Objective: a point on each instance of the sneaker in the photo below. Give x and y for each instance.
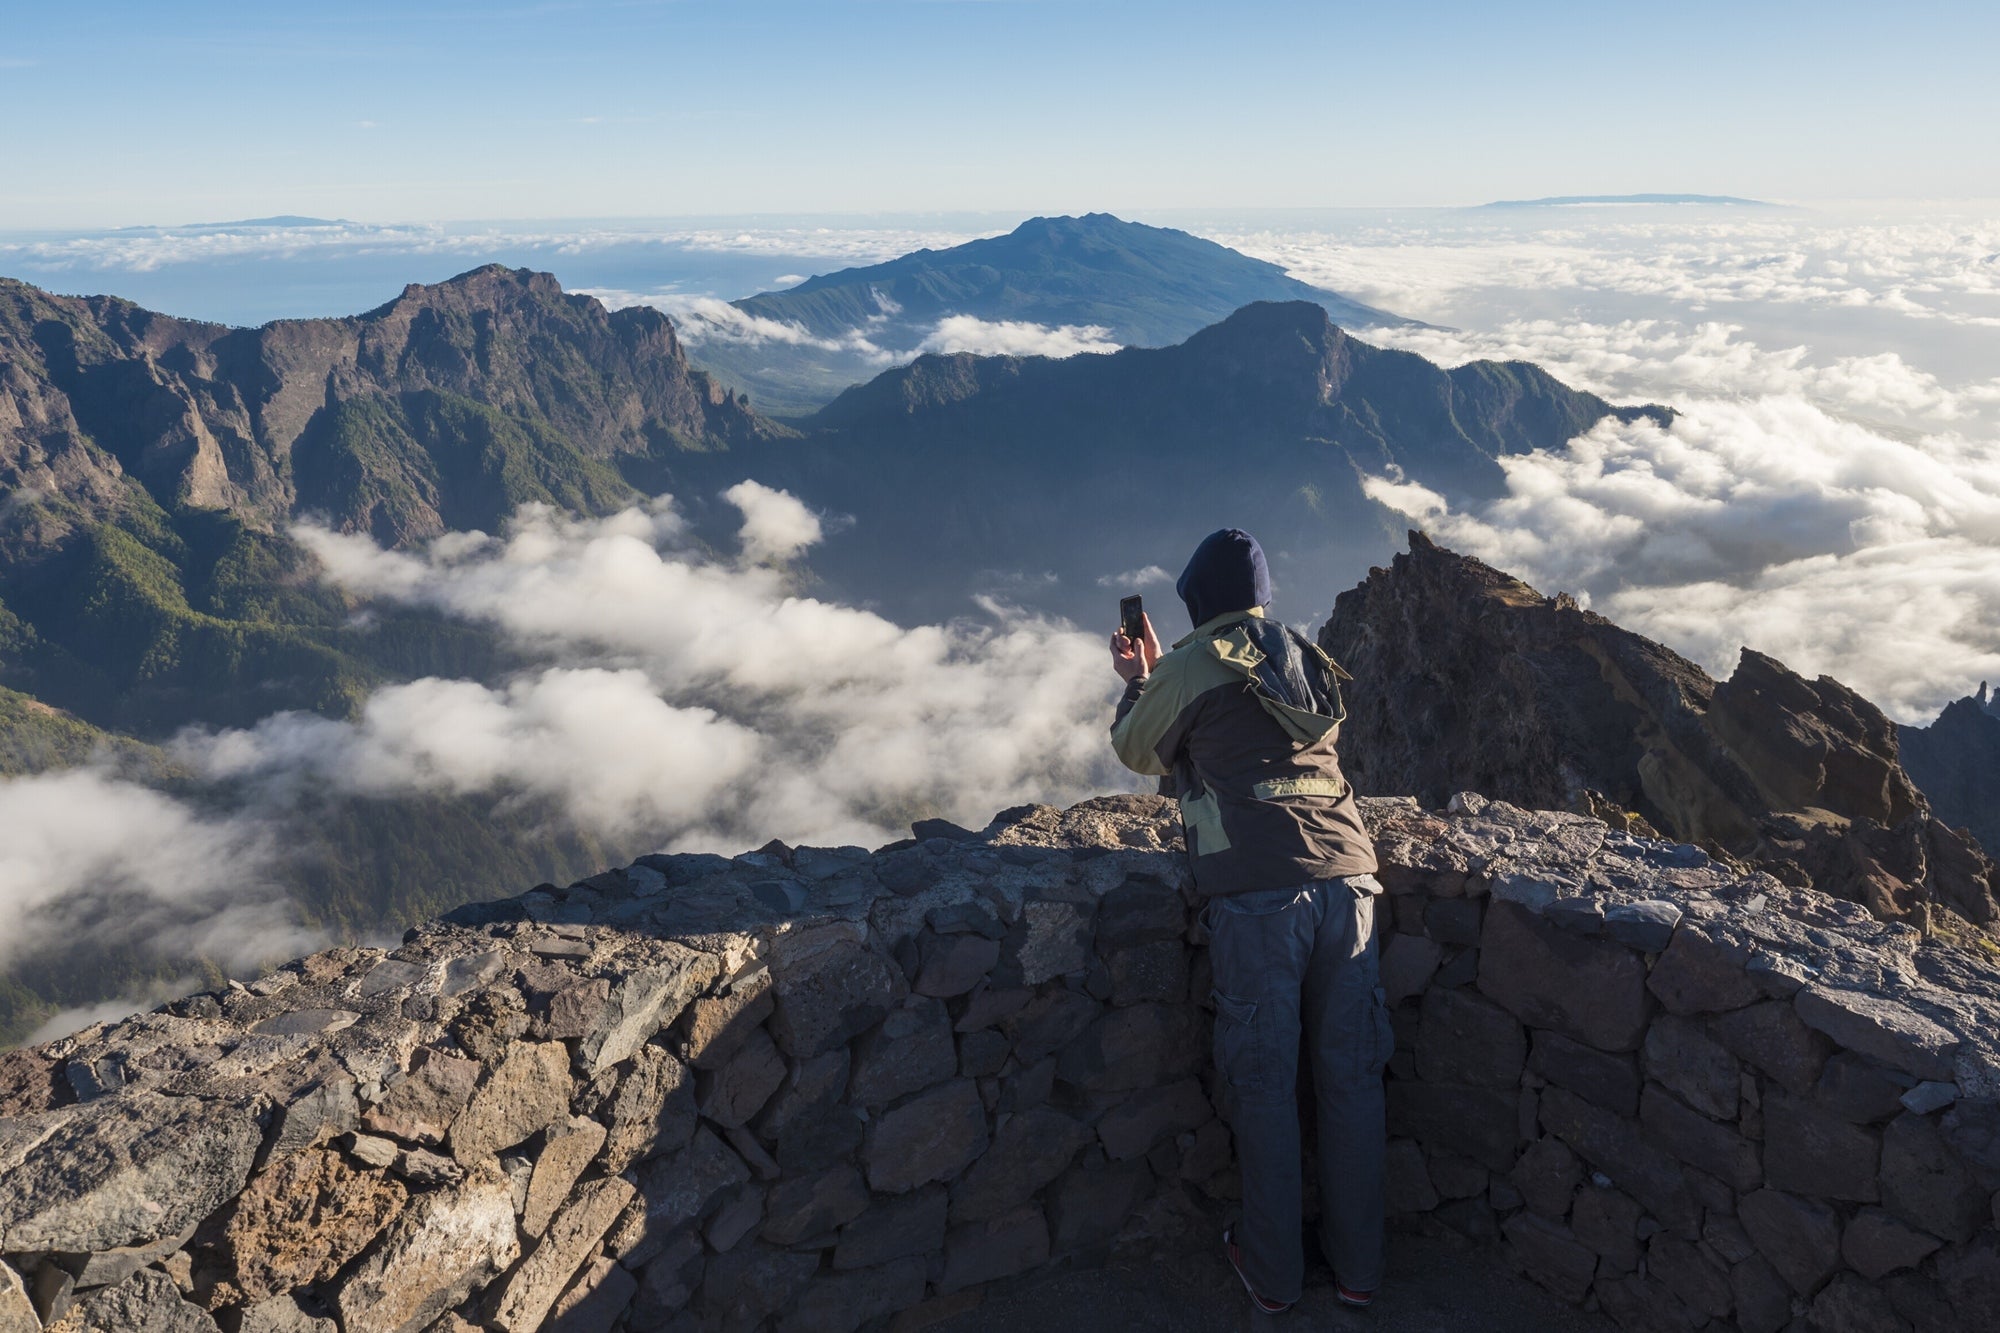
(1264, 1306)
(1360, 1300)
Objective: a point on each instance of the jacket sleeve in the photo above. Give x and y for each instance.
(1147, 720)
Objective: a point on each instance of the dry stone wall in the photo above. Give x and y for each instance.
(824, 1089)
(1682, 1094)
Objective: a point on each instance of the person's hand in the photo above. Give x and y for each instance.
(1136, 660)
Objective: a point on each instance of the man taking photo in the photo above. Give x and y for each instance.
(1244, 714)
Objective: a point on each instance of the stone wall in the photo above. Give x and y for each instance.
(1682, 1094)
(825, 1089)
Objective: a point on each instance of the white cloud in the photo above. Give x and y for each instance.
(86, 851)
(966, 333)
(776, 526)
(708, 319)
(1137, 578)
(599, 742)
(1930, 264)
(1666, 360)
(65, 1021)
(696, 700)
(1769, 523)
(701, 319)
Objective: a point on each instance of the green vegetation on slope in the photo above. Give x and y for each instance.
(403, 465)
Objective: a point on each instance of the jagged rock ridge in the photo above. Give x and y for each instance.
(443, 408)
(1467, 678)
(1956, 760)
(804, 1089)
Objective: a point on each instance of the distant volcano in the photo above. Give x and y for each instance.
(1124, 283)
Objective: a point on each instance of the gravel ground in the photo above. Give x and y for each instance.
(1433, 1287)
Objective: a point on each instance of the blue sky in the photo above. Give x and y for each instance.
(117, 114)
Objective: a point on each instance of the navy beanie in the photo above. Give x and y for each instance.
(1226, 573)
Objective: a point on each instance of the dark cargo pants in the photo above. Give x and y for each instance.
(1287, 959)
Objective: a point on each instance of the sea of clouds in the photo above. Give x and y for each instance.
(696, 699)
(1830, 490)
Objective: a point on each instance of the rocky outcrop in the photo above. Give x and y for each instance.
(1956, 760)
(1467, 678)
(810, 1088)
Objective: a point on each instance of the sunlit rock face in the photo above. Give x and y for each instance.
(806, 1088)
(1467, 678)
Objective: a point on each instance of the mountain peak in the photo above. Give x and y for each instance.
(1144, 286)
(487, 285)
(1279, 319)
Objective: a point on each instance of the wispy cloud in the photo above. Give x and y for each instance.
(709, 319)
(966, 333)
(1148, 577)
(87, 853)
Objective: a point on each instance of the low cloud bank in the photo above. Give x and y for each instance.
(91, 857)
(695, 700)
(1662, 358)
(965, 333)
(708, 319)
(1928, 265)
(1769, 523)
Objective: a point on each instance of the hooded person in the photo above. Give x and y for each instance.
(1243, 714)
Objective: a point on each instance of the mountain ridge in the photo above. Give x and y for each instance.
(925, 282)
(338, 415)
(1275, 408)
(1137, 284)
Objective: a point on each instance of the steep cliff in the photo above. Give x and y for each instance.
(1467, 678)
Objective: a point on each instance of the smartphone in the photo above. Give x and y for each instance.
(1132, 617)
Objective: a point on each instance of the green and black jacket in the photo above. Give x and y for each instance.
(1244, 714)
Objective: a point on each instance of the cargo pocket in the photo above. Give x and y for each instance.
(1202, 817)
(1237, 1052)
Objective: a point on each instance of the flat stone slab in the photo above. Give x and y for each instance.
(126, 1171)
(1889, 1031)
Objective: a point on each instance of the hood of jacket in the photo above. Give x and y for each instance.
(1226, 573)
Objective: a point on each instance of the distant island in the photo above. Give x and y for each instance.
(1563, 200)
